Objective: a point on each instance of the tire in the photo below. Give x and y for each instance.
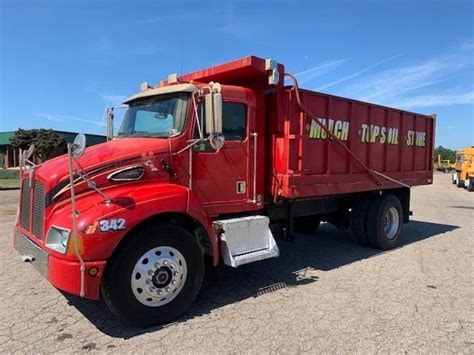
(154, 277)
(384, 222)
(470, 184)
(359, 219)
(306, 224)
(459, 183)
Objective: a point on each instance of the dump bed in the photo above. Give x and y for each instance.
(305, 162)
(301, 160)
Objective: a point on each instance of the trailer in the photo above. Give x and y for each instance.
(214, 167)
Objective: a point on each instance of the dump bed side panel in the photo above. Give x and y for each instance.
(306, 162)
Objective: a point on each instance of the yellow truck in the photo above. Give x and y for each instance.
(463, 175)
(444, 165)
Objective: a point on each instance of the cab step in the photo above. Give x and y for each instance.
(245, 240)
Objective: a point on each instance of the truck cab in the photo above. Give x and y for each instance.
(185, 154)
(464, 169)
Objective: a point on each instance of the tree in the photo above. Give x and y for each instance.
(445, 153)
(48, 143)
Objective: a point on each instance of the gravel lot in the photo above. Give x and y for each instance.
(324, 294)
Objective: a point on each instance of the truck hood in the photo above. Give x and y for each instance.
(113, 154)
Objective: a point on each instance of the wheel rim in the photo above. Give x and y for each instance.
(392, 220)
(158, 276)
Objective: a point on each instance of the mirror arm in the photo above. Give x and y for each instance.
(201, 135)
(193, 143)
(90, 183)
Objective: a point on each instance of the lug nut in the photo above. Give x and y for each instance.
(171, 266)
(157, 265)
(152, 289)
(148, 282)
(160, 292)
(165, 262)
(173, 282)
(175, 273)
(150, 272)
(168, 289)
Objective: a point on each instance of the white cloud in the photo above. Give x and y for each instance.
(436, 100)
(66, 118)
(356, 74)
(113, 99)
(417, 84)
(50, 117)
(322, 68)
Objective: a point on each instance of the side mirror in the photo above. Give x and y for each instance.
(110, 124)
(79, 145)
(217, 104)
(213, 113)
(209, 113)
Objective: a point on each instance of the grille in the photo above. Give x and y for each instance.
(25, 205)
(38, 209)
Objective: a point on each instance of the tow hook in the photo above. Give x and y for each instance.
(27, 258)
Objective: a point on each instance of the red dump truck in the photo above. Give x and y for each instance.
(212, 167)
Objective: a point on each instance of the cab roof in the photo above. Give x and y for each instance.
(169, 89)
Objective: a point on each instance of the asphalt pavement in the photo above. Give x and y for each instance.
(325, 294)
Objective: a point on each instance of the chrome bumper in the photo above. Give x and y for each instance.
(32, 253)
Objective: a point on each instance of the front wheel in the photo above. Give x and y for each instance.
(154, 277)
(384, 222)
(459, 182)
(470, 183)
(453, 178)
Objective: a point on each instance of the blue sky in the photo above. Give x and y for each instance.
(63, 62)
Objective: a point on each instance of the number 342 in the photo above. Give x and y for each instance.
(112, 224)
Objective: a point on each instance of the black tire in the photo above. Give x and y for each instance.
(379, 209)
(358, 221)
(470, 183)
(116, 285)
(306, 224)
(458, 182)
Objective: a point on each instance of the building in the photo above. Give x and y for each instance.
(9, 155)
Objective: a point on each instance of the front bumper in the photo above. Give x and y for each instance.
(62, 274)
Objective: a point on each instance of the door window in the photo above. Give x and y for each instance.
(234, 122)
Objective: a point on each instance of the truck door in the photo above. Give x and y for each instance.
(221, 178)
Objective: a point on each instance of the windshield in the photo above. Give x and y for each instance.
(158, 116)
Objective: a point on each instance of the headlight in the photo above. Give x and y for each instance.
(128, 174)
(58, 239)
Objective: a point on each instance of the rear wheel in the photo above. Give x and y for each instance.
(358, 219)
(384, 222)
(155, 277)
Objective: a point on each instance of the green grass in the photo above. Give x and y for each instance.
(9, 183)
